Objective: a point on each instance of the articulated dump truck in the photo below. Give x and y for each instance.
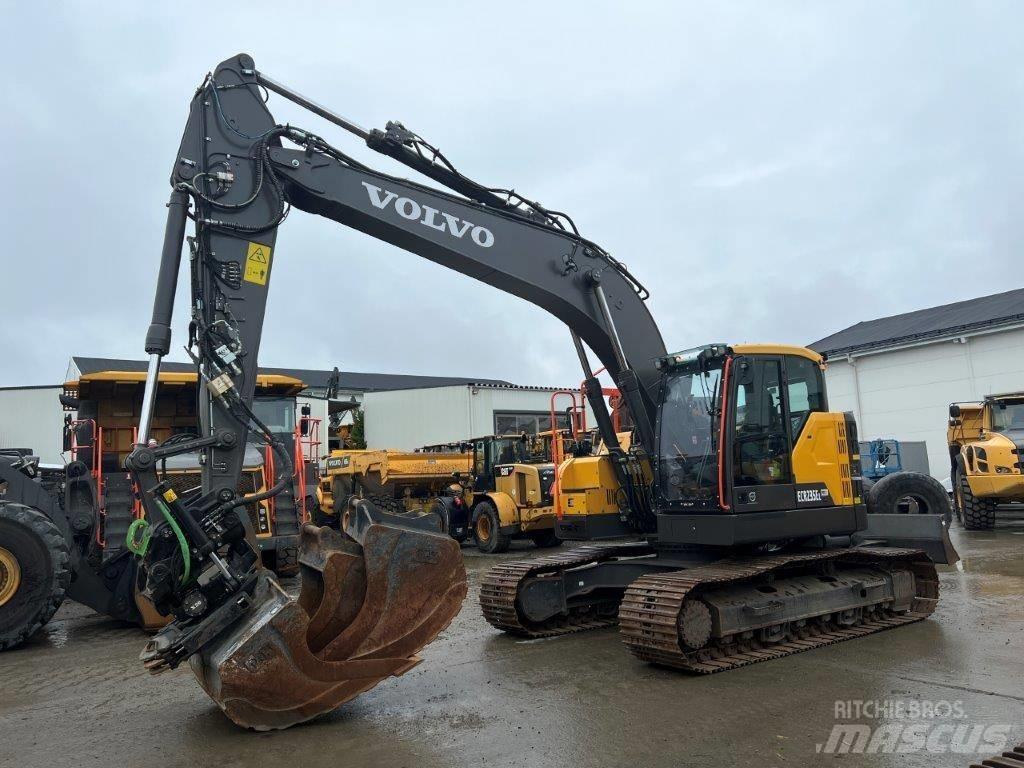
(986, 452)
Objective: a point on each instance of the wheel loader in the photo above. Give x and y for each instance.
(741, 488)
(986, 440)
(63, 533)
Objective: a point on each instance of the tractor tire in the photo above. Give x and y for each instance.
(545, 539)
(487, 530)
(973, 513)
(891, 495)
(35, 571)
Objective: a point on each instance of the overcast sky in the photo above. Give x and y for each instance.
(772, 171)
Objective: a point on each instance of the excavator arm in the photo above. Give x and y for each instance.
(377, 592)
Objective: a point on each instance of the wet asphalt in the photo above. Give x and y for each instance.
(77, 695)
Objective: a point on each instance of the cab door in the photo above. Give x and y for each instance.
(762, 471)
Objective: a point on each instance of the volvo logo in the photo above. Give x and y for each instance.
(409, 209)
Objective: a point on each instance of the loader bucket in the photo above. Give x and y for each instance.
(370, 599)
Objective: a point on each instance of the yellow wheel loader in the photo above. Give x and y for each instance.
(509, 493)
(986, 443)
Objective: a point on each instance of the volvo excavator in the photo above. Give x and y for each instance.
(722, 552)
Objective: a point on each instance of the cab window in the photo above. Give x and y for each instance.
(806, 390)
(761, 447)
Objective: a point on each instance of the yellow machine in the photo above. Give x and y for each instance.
(510, 495)
(784, 453)
(103, 433)
(986, 441)
(67, 534)
(497, 487)
(401, 481)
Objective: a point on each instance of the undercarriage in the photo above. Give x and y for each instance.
(705, 611)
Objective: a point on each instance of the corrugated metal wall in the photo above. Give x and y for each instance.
(409, 418)
(905, 394)
(32, 417)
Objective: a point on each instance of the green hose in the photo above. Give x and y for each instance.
(185, 554)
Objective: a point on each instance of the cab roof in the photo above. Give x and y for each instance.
(1005, 396)
(777, 349)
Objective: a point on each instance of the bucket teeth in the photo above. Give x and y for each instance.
(364, 611)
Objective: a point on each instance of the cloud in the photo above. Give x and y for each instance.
(741, 176)
(771, 171)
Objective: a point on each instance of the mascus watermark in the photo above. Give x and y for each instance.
(910, 725)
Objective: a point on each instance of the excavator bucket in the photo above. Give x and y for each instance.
(370, 599)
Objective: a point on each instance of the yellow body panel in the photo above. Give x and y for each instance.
(968, 427)
(587, 486)
(1008, 487)
(519, 499)
(993, 474)
(398, 466)
(820, 455)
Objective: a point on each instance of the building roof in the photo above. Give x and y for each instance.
(349, 381)
(1000, 309)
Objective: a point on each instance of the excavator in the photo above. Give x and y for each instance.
(773, 554)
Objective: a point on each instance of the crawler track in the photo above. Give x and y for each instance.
(500, 587)
(649, 615)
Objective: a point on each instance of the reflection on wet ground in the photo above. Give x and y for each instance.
(77, 695)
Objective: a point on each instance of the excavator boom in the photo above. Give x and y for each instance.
(378, 591)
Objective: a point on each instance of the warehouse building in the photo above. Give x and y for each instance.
(410, 418)
(401, 411)
(899, 374)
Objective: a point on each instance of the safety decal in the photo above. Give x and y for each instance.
(257, 263)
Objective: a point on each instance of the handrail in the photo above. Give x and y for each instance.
(557, 447)
(95, 471)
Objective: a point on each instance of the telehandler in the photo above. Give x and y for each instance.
(738, 518)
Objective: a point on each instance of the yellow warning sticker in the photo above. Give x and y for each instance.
(170, 495)
(257, 263)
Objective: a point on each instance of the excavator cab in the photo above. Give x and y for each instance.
(745, 430)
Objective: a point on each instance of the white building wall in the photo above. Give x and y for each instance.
(409, 418)
(905, 393)
(32, 417)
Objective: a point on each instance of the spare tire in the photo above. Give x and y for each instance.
(910, 492)
(35, 571)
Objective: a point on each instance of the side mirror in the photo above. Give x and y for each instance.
(954, 411)
(304, 427)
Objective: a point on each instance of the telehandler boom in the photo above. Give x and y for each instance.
(374, 594)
